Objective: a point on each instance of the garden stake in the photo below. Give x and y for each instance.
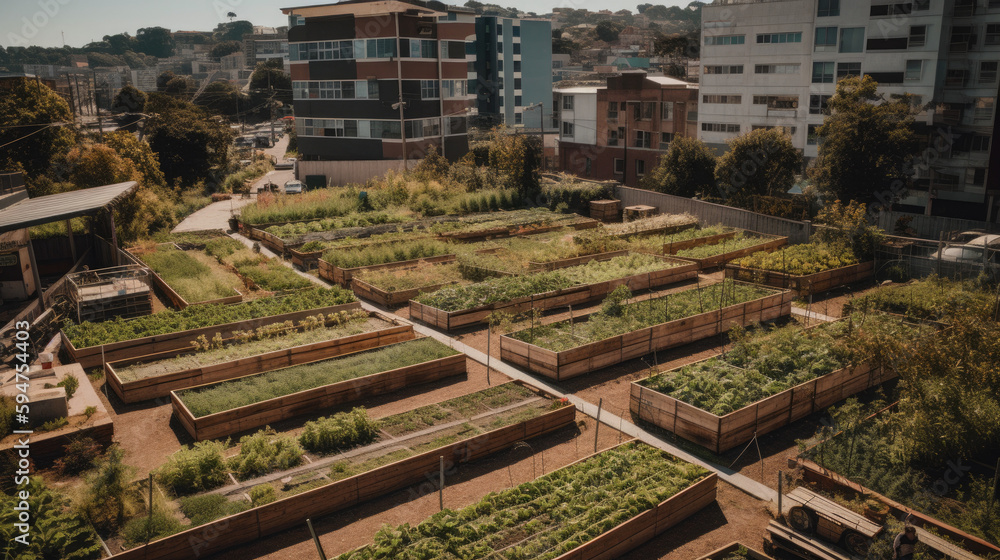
(489, 329)
(779, 493)
(149, 520)
(441, 484)
(597, 425)
(319, 547)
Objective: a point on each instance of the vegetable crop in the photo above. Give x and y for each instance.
(805, 258)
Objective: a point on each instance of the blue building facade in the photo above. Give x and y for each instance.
(513, 70)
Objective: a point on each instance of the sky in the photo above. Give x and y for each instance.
(43, 22)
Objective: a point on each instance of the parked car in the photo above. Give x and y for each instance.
(966, 236)
(293, 187)
(991, 241)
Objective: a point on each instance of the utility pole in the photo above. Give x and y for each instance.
(399, 84)
(97, 106)
(72, 103)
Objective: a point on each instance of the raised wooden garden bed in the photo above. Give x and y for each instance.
(162, 385)
(807, 284)
(343, 276)
(605, 210)
(638, 212)
(574, 261)
(305, 259)
(94, 356)
(386, 298)
(284, 514)
(722, 433)
(722, 258)
(451, 320)
(175, 298)
(672, 247)
(235, 420)
(603, 353)
(726, 551)
(513, 230)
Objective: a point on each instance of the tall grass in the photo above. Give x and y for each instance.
(227, 395)
(193, 280)
(386, 253)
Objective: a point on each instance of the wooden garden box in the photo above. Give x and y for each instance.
(243, 418)
(290, 512)
(162, 385)
(575, 295)
(807, 284)
(638, 212)
(93, 356)
(724, 552)
(722, 433)
(604, 210)
(175, 298)
(343, 276)
(723, 258)
(610, 351)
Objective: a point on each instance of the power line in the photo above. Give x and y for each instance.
(27, 135)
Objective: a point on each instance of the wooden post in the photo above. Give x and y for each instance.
(996, 480)
(149, 519)
(319, 547)
(34, 273)
(489, 330)
(597, 426)
(72, 242)
(780, 490)
(441, 485)
(114, 239)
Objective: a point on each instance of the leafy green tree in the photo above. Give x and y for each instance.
(762, 162)
(866, 143)
(189, 142)
(141, 156)
(155, 41)
(608, 31)
(687, 169)
(269, 78)
(514, 158)
(24, 104)
(121, 43)
(108, 497)
(233, 30)
(223, 98)
(127, 105)
(225, 48)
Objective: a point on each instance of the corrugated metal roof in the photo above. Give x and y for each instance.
(62, 206)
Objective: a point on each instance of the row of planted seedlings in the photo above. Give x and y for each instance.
(334, 462)
(601, 506)
(222, 270)
(930, 450)
(622, 329)
(94, 344)
(451, 308)
(709, 246)
(771, 377)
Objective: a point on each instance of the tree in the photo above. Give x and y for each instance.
(225, 48)
(155, 41)
(866, 144)
(687, 169)
(96, 165)
(222, 98)
(127, 106)
(233, 30)
(762, 162)
(138, 152)
(189, 142)
(121, 43)
(25, 103)
(108, 495)
(608, 31)
(514, 158)
(641, 8)
(269, 78)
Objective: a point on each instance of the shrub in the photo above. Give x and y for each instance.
(264, 452)
(78, 456)
(144, 529)
(207, 508)
(7, 412)
(194, 469)
(54, 424)
(262, 494)
(71, 384)
(108, 496)
(342, 430)
(56, 531)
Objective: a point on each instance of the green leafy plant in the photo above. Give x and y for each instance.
(56, 531)
(143, 529)
(195, 468)
(340, 431)
(262, 494)
(805, 258)
(78, 455)
(263, 452)
(193, 279)
(207, 508)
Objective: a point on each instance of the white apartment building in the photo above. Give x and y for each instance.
(576, 113)
(775, 63)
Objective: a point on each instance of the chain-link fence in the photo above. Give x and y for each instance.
(904, 258)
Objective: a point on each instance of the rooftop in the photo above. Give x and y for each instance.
(359, 8)
(62, 206)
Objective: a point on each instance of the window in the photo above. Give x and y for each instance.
(516, 30)
(818, 104)
(722, 99)
(992, 34)
(852, 40)
(766, 38)
(720, 127)
(517, 84)
(567, 129)
(567, 102)
(975, 176)
(955, 77)
(640, 168)
(429, 89)
(890, 9)
(822, 73)
(643, 139)
(988, 72)
(619, 166)
(500, 47)
(983, 108)
(614, 135)
(724, 69)
(454, 88)
(777, 101)
(385, 129)
(725, 39)
(500, 65)
(517, 100)
(918, 35)
(517, 118)
(826, 38)
(647, 110)
(381, 48)
(665, 139)
(848, 69)
(914, 70)
(419, 48)
(961, 37)
(517, 48)
(361, 89)
(980, 143)
(828, 8)
(517, 65)
(612, 110)
(667, 111)
(776, 68)
(812, 137)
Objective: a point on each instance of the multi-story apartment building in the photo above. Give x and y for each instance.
(619, 131)
(265, 43)
(379, 80)
(775, 63)
(513, 70)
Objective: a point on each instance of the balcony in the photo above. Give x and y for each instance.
(964, 8)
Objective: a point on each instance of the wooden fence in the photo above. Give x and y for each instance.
(722, 433)
(290, 512)
(709, 213)
(807, 284)
(93, 356)
(575, 295)
(243, 418)
(610, 351)
(162, 385)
